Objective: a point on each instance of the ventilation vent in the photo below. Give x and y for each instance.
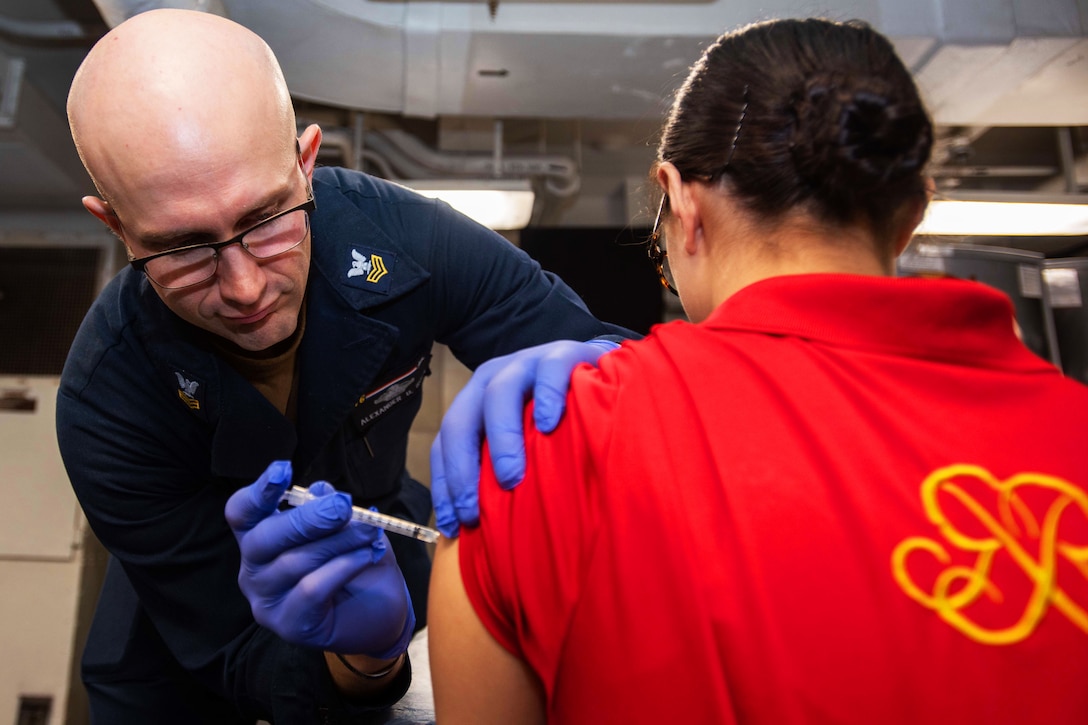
(44, 294)
(34, 710)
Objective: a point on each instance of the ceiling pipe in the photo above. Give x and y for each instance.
(400, 156)
(993, 172)
(115, 12)
(404, 166)
(352, 154)
(559, 172)
(358, 139)
(1068, 159)
(38, 30)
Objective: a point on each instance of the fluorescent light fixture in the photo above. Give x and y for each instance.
(1007, 215)
(496, 203)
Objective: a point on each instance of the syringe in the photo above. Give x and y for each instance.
(297, 495)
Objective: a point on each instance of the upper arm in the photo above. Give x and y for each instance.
(475, 679)
(503, 594)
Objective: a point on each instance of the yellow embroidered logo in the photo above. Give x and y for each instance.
(999, 539)
(377, 269)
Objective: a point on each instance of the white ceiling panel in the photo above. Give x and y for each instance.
(962, 83)
(1054, 96)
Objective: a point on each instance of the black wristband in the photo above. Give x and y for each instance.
(370, 675)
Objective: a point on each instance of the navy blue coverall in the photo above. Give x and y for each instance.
(157, 431)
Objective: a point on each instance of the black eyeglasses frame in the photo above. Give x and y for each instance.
(308, 206)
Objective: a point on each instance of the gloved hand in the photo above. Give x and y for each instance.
(315, 577)
(493, 402)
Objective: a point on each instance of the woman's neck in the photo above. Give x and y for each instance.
(796, 246)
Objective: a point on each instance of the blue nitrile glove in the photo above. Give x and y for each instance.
(493, 402)
(315, 577)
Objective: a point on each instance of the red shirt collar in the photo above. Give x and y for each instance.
(938, 319)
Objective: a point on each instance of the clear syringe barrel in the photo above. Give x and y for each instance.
(297, 495)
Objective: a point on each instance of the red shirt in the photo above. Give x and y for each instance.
(838, 499)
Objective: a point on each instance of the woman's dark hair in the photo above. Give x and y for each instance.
(810, 113)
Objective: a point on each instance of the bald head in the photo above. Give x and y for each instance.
(168, 92)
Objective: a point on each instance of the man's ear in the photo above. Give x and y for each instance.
(101, 210)
(308, 143)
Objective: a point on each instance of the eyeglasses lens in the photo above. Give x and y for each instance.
(277, 235)
(187, 267)
(665, 270)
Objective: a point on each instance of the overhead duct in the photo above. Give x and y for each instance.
(43, 171)
(985, 62)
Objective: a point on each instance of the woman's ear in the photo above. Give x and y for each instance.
(687, 206)
(668, 178)
(913, 217)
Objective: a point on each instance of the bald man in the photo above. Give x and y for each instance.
(272, 311)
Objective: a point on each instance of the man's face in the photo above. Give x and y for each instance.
(253, 303)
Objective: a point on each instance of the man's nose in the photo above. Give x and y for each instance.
(241, 278)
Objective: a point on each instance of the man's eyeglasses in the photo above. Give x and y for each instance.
(196, 263)
(657, 252)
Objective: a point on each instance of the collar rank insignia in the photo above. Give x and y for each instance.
(372, 267)
(187, 391)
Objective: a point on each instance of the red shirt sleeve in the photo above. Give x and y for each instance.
(523, 566)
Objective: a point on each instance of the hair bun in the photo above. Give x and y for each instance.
(852, 131)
